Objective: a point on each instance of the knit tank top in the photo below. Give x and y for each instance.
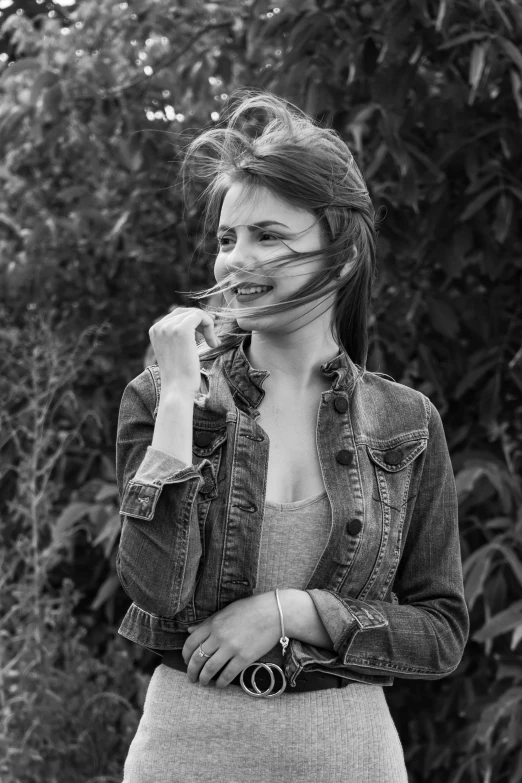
(293, 539)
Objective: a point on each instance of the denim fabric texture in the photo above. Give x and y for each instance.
(388, 586)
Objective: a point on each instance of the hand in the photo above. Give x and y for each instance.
(173, 340)
(238, 635)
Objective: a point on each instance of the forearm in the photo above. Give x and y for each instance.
(173, 426)
(302, 620)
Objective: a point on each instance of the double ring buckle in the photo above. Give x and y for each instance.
(268, 694)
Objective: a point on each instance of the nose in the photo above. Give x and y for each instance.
(242, 256)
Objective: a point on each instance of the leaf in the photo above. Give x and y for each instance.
(27, 64)
(515, 191)
(516, 89)
(512, 559)
(494, 712)
(470, 561)
(476, 65)
(511, 50)
(107, 491)
(120, 223)
(466, 479)
(41, 83)
(497, 475)
(107, 590)
(479, 202)
(130, 155)
(509, 669)
(500, 623)
(440, 15)
(471, 378)
(466, 38)
(108, 534)
(66, 523)
(503, 218)
(475, 581)
(516, 637)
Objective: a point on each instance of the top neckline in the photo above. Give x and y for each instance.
(296, 504)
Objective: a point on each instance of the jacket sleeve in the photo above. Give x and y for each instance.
(160, 546)
(422, 635)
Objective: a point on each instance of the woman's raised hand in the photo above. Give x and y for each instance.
(173, 340)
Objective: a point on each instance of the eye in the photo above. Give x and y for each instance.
(225, 240)
(266, 236)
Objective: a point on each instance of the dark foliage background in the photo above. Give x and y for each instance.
(97, 101)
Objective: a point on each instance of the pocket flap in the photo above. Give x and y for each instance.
(139, 500)
(397, 458)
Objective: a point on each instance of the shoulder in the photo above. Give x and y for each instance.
(386, 407)
(385, 389)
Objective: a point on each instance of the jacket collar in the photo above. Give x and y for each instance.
(246, 383)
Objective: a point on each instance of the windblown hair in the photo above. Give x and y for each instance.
(267, 142)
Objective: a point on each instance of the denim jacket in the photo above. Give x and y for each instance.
(388, 586)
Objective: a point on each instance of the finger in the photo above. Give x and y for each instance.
(197, 662)
(201, 322)
(228, 674)
(196, 638)
(212, 667)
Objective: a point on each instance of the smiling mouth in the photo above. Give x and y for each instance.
(253, 289)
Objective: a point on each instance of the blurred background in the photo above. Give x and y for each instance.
(97, 101)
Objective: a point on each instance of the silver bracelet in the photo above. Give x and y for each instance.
(284, 640)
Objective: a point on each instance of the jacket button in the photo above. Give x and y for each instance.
(203, 439)
(341, 404)
(344, 457)
(354, 527)
(393, 457)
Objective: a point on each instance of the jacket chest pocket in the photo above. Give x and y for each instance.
(207, 445)
(389, 482)
(393, 471)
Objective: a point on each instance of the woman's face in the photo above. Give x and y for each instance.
(254, 231)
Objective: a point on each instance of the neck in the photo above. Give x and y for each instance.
(293, 359)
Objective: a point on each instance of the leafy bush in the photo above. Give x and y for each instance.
(64, 714)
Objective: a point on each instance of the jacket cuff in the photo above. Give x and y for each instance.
(345, 618)
(158, 467)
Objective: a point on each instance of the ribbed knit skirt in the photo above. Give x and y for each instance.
(190, 733)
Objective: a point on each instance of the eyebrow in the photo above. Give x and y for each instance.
(261, 224)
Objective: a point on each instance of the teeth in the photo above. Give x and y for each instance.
(253, 290)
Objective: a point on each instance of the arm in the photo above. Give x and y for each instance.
(423, 636)
(157, 560)
(302, 620)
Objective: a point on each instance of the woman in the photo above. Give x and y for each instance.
(281, 504)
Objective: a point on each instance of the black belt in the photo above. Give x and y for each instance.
(268, 683)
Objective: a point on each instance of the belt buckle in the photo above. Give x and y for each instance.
(270, 668)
